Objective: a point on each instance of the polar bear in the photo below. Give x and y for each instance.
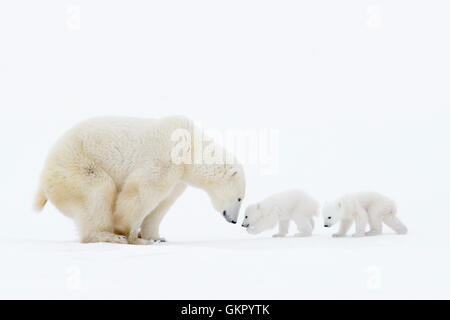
(363, 208)
(117, 177)
(280, 208)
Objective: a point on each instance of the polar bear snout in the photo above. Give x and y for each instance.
(245, 223)
(232, 213)
(249, 211)
(228, 218)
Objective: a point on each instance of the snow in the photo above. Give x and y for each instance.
(319, 267)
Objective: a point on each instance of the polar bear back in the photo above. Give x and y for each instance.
(119, 144)
(291, 201)
(370, 201)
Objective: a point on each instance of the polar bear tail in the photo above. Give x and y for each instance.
(39, 200)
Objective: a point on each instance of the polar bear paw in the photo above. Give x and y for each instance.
(302, 235)
(338, 235)
(155, 239)
(279, 235)
(372, 233)
(121, 240)
(158, 239)
(104, 237)
(141, 242)
(358, 235)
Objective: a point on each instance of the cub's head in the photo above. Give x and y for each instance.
(256, 221)
(331, 213)
(228, 192)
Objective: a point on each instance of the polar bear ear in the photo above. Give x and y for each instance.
(340, 205)
(258, 207)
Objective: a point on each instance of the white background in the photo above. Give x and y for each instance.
(358, 91)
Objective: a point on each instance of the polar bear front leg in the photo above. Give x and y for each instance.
(304, 226)
(343, 228)
(151, 223)
(133, 204)
(375, 223)
(283, 228)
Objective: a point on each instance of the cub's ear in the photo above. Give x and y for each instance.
(340, 205)
(258, 207)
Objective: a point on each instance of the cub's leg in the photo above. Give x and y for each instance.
(283, 228)
(394, 223)
(344, 226)
(304, 226)
(375, 223)
(138, 197)
(361, 221)
(150, 225)
(85, 193)
(311, 221)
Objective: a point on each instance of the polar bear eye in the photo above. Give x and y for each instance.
(329, 218)
(239, 199)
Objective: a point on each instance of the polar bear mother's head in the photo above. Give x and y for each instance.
(227, 191)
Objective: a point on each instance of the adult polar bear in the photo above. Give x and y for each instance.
(117, 178)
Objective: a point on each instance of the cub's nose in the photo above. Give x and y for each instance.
(233, 222)
(326, 226)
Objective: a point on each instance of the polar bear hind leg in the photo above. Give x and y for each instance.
(304, 226)
(375, 223)
(87, 194)
(150, 225)
(395, 224)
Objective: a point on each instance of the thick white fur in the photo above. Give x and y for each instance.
(281, 208)
(364, 208)
(115, 177)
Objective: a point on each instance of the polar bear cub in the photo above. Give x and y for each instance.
(364, 208)
(280, 208)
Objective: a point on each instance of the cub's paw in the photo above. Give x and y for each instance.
(338, 235)
(278, 235)
(372, 233)
(302, 235)
(358, 235)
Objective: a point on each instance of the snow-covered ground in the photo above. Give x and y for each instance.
(236, 268)
(214, 265)
(356, 91)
